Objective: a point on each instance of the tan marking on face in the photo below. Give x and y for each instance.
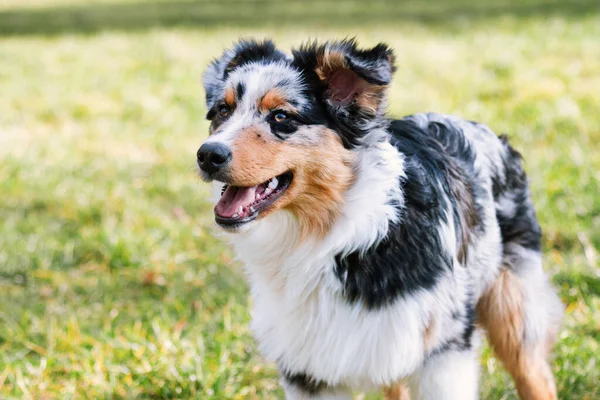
(320, 184)
(256, 158)
(322, 174)
(230, 97)
(274, 99)
(500, 311)
(397, 391)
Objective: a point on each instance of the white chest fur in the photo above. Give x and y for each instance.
(300, 318)
(326, 337)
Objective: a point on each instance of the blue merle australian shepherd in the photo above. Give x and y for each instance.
(377, 249)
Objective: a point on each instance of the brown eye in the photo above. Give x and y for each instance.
(280, 117)
(224, 111)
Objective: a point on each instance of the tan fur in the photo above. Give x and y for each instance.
(322, 173)
(320, 183)
(369, 96)
(396, 392)
(272, 100)
(230, 97)
(256, 158)
(500, 311)
(329, 62)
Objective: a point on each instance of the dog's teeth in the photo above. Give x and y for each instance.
(240, 210)
(268, 191)
(252, 209)
(235, 215)
(257, 196)
(273, 184)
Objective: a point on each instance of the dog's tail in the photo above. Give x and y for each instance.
(521, 311)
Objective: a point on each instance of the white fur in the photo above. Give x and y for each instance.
(303, 322)
(449, 376)
(301, 319)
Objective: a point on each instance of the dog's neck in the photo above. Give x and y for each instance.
(273, 249)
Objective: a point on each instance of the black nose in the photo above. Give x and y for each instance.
(212, 157)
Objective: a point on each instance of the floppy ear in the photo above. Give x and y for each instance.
(353, 80)
(243, 52)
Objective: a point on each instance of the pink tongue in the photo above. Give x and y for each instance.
(233, 199)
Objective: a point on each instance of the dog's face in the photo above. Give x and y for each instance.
(283, 130)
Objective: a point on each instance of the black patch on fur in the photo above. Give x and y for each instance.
(374, 66)
(467, 316)
(282, 129)
(304, 382)
(518, 225)
(464, 183)
(211, 114)
(247, 51)
(457, 344)
(470, 317)
(408, 259)
(412, 256)
(311, 114)
(350, 128)
(240, 90)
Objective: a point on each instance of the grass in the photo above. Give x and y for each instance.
(111, 284)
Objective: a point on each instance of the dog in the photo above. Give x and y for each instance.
(377, 250)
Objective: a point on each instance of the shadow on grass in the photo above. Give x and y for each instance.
(259, 13)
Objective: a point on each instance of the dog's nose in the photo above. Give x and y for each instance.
(212, 157)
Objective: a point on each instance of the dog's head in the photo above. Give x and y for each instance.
(284, 130)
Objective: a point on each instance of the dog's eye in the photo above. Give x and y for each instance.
(280, 116)
(224, 111)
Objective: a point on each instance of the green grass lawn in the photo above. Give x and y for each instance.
(111, 284)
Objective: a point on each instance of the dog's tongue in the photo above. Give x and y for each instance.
(233, 198)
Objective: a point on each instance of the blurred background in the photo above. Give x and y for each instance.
(111, 284)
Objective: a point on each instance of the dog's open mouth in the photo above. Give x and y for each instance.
(239, 205)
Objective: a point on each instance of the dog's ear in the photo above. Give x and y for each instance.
(243, 52)
(352, 82)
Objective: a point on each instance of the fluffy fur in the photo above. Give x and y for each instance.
(396, 242)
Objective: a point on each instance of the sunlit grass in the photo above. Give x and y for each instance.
(111, 284)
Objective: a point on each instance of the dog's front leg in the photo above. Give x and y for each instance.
(452, 375)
